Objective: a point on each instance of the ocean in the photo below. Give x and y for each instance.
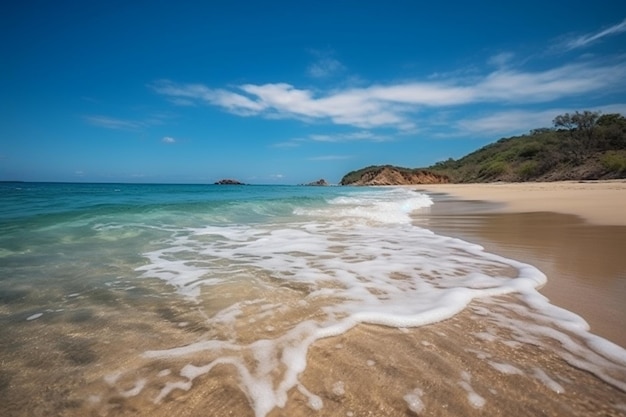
(146, 299)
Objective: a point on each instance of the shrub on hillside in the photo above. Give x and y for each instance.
(614, 161)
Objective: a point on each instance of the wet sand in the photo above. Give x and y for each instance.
(575, 232)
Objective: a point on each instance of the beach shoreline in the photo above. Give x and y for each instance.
(359, 304)
(572, 231)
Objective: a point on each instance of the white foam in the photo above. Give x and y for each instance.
(112, 378)
(505, 368)
(414, 400)
(473, 398)
(364, 262)
(389, 206)
(314, 401)
(547, 381)
(34, 316)
(135, 390)
(339, 388)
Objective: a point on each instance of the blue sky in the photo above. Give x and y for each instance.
(289, 92)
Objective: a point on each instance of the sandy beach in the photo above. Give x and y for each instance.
(598, 202)
(575, 232)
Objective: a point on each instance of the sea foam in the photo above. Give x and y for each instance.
(358, 259)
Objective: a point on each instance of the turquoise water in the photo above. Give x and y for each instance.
(57, 238)
(121, 298)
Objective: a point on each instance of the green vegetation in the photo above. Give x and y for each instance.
(614, 161)
(581, 146)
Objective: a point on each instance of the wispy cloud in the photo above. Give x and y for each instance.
(502, 59)
(362, 135)
(325, 65)
(512, 122)
(329, 157)
(396, 105)
(189, 94)
(508, 122)
(168, 140)
(586, 39)
(113, 123)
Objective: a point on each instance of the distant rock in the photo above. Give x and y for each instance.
(390, 175)
(321, 182)
(229, 182)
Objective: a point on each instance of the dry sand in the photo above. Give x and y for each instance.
(598, 202)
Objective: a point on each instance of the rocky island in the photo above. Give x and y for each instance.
(319, 183)
(228, 182)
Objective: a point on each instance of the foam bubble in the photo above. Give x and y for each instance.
(547, 381)
(34, 316)
(505, 368)
(339, 388)
(474, 399)
(414, 400)
(314, 401)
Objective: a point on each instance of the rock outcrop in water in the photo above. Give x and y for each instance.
(319, 183)
(390, 175)
(229, 182)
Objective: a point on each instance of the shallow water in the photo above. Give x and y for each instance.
(160, 300)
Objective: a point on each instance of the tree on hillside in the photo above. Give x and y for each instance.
(582, 122)
(612, 130)
(581, 128)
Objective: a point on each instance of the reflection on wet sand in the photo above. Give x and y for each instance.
(585, 263)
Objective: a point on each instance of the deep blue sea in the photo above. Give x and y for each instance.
(134, 299)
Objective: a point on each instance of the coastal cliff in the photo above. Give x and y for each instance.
(390, 175)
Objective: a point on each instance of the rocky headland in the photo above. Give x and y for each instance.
(390, 175)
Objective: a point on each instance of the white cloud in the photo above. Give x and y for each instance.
(501, 59)
(584, 40)
(168, 139)
(363, 135)
(325, 67)
(188, 94)
(127, 124)
(113, 123)
(396, 105)
(508, 122)
(522, 121)
(329, 157)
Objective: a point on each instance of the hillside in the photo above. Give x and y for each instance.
(580, 146)
(390, 175)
